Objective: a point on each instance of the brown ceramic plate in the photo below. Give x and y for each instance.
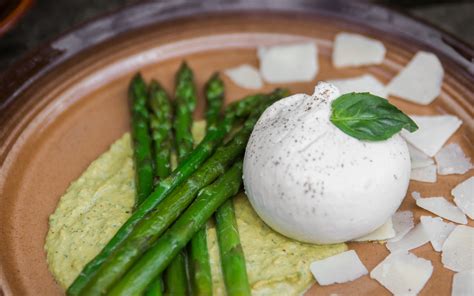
(63, 105)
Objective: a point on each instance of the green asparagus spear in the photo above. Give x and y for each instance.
(233, 112)
(155, 288)
(175, 276)
(159, 255)
(141, 138)
(199, 264)
(160, 125)
(176, 281)
(198, 255)
(232, 256)
(214, 92)
(185, 105)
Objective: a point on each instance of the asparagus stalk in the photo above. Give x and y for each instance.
(235, 111)
(214, 93)
(160, 126)
(185, 105)
(232, 256)
(176, 281)
(198, 255)
(199, 264)
(175, 276)
(159, 255)
(141, 138)
(155, 288)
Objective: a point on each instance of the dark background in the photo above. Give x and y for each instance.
(48, 18)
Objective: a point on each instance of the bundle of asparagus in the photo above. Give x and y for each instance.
(174, 211)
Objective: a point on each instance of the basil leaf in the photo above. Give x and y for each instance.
(368, 117)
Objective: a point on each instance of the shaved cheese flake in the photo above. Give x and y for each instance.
(426, 174)
(458, 249)
(437, 230)
(432, 133)
(464, 196)
(352, 50)
(245, 76)
(418, 158)
(413, 239)
(341, 268)
(363, 83)
(415, 195)
(384, 232)
(420, 81)
(443, 208)
(402, 223)
(463, 283)
(452, 160)
(403, 273)
(288, 63)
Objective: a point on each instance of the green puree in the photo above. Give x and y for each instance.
(95, 205)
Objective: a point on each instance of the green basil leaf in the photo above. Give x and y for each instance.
(368, 117)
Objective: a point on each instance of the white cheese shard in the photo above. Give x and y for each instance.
(418, 158)
(452, 160)
(437, 230)
(413, 239)
(420, 81)
(403, 273)
(245, 76)
(353, 50)
(341, 268)
(463, 283)
(433, 132)
(441, 207)
(402, 223)
(458, 249)
(425, 174)
(384, 232)
(363, 83)
(464, 196)
(289, 63)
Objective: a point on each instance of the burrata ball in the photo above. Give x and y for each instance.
(310, 181)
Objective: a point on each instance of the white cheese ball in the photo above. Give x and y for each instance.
(312, 182)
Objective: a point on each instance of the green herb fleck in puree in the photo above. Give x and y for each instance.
(95, 205)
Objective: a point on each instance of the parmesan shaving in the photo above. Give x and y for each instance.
(464, 196)
(420, 81)
(353, 50)
(288, 63)
(403, 273)
(443, 208)
(452, 160)
(363, 83)
(402, 223)
(463, 283)
(432, 133)
(458, 249)
(341, 268)
(413, 239)
(245, 76)
(384, 232)
(418, 158)
(425, 174)
(437, 230)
